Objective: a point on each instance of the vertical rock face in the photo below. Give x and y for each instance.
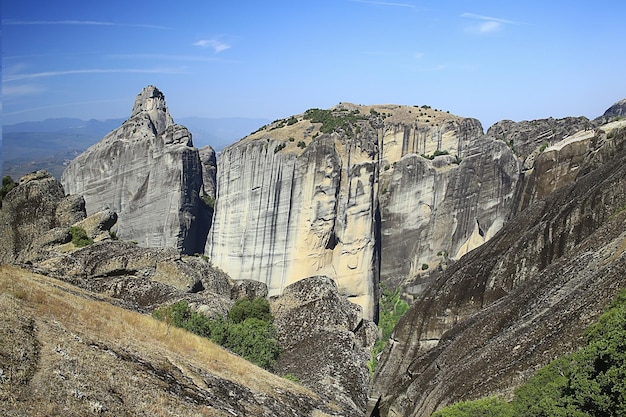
(147, 171)
(281, 217)
(483, 325)
(332, 192)
(435, 208)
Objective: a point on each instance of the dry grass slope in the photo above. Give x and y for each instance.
(65, 351)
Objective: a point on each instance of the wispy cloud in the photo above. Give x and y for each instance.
(383, 3)
(488, 24)
(19, 77)
(217, 45)
(21, 90)
(166, 57)
(57, 105)
(9, 22)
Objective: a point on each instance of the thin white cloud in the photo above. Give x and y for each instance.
(492, 19)
(218, 46)
(10, 22)
(57, 105)
(384, 3)
(165, 57)
(489, 24)
(19, 77)
(21, 90)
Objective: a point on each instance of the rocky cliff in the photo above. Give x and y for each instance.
(148, 172)
(355, 192)
(483, 325)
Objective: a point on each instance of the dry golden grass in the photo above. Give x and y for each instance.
(78, 311)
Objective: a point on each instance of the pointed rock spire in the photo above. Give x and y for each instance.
(152, 101)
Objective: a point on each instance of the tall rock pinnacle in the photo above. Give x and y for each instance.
(148, 171)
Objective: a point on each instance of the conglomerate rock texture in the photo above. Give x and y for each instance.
(149, 173)
(488, 321)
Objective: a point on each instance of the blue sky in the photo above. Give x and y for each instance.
(491, 60)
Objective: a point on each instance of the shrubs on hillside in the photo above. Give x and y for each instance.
(248, 331)
(79, 237)
(586, 383)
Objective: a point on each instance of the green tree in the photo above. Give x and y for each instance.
(249, 331)
(391, 309)
(245, 308)
(79, 237)
(484, 407)
(254, 340)
(7, 185)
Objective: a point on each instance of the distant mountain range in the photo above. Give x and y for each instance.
(50, 144)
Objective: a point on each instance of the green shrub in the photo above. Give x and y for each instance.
(280, 147)
(244, 308)
(301, 144)
(587, 383)
(208, 200)
(7, 185)
(79, 237)
(424, 267)
(333, 121)
(248, 332)
(254, 340)
(391, 308)
(484, 407)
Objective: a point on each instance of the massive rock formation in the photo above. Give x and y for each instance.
(336, 192)
(325, 339)
(148, 172)
(482, 326)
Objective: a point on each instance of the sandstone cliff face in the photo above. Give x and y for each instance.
(148, 172)
(482, 326)
(333, 192)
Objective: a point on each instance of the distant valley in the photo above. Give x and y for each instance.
(52, 143)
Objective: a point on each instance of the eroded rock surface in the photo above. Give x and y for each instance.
(325, 339)
(339, 191)
(483, 325)
(149, 173)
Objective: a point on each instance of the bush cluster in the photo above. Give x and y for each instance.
(248, 331)
(435, 154)
(79, 237)
(589, 382)
(7, 185)
(331, 121)
(391, 308)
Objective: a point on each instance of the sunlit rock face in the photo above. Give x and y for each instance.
(382, 192)
(147, 171)
(485, 324)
